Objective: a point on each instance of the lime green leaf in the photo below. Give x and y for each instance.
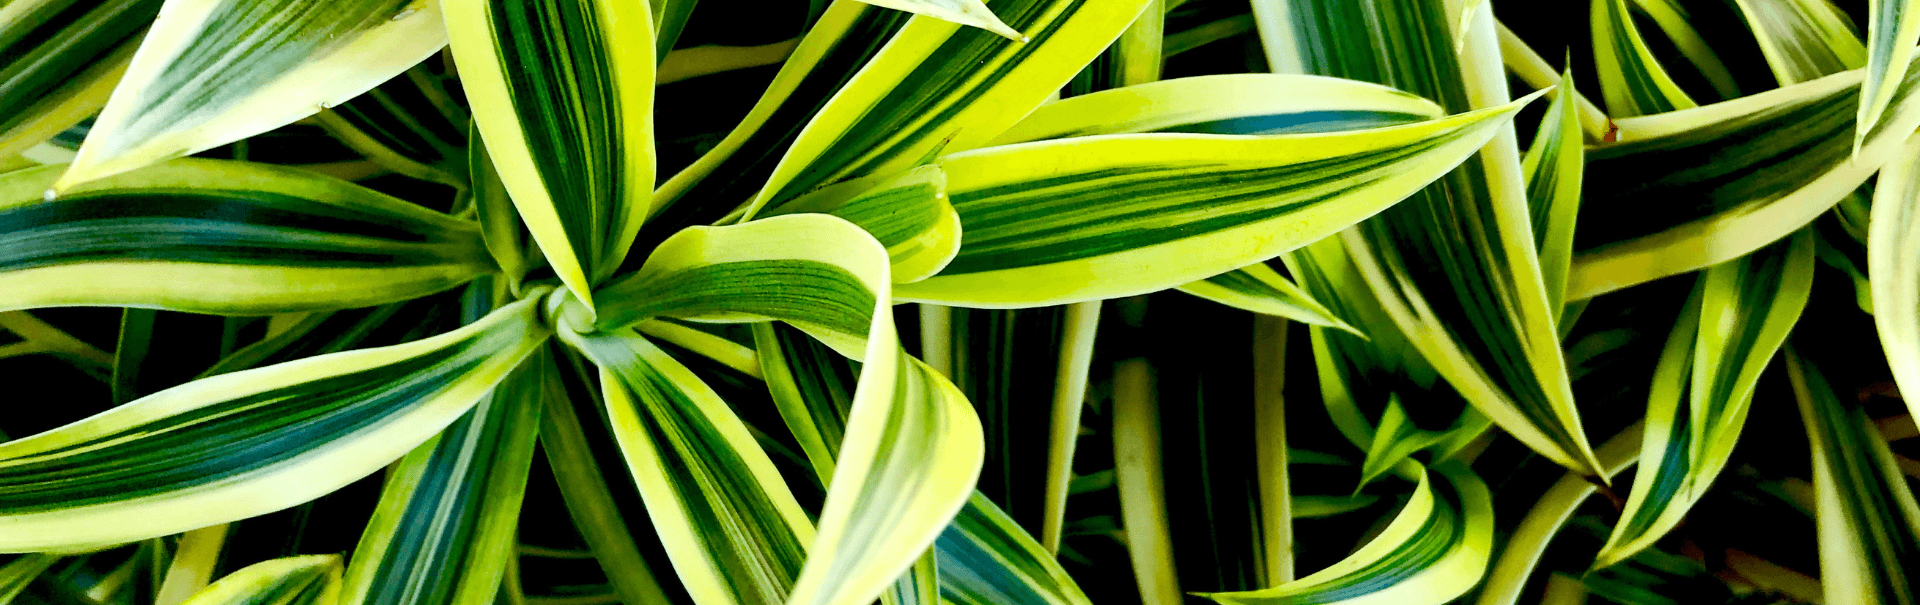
(964, 12)
(1394, 440)
(1260, 289)
(1672, 19)
(1530, 67)
(1739, 316)
(409, 125)
(729, 523)
(1225, 104)
(1314, 507)
(913, 445)
(1730, 161)
(1154, 211)
(22, 571)
(1893, 28)
(248, 443)
(1869, 524)
(1554, 166)
(909, 214)
(562, 91)
(445, 525)
(505, 234)
(64, 60)
(1522, 551)
(211, 236)
(1804, 39)
(1893, 268)
(308, 580)
(1631, 80)
(1432, 552)
(210, 72)
(938, 87)
(837, 45)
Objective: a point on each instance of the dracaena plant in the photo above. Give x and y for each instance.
(519, 308)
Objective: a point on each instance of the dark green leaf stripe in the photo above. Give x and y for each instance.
(736, 177)
(1804, 39)
(920, 105)
(453, 504)
(897, 214)
(282, 34)
(812, 386)
(987, 559)
(559, 76)
(303, 580)
(811, 292)
(1092, 214)
(249, 430)
(1869, 522)
(43, 48)
(1633, 84)
(1299, 123)
(333, 332)
(739, 527)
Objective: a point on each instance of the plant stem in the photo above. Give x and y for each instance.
(1069, 397)
(1270, 430)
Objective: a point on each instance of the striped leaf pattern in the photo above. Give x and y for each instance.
(410, 125)
(1225, 104)
(1260, 289)
(265, 240)
(964, 12)
(1893, 28)
(730, 525)
(563, 95)
(247, 443)
(63, 59)
(1869, 524)
(938, 87)
(17, 574)
(1188, 206)
(445, 526)
(1631, 80)
(1740, 314)
(1435, 549)
(1554, 168)
(307, 580)
(1673, 20)
(214, 71)
(1738, 202)
(909, 214)
(1804, 39)
(1893, 267)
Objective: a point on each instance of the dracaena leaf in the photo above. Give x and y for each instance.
(1260, 289)
(1893, 27)
(410, 125)
(1738, 317)
(306, 580)
(963, 12)
(562, 91)
(909, 214)
(211, 236)
(1631, 80)
(1225, 104)
(1554, 167)
(64, 63)
(1804, 39)
(938, 87)
(210, 72)
(1729, 160)
(248, 443)
(1893, 267)
(1153, 211)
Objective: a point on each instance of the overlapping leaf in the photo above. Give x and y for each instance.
(1869, 524)
(1804, 39)
(62, 63)
(1749, 171)
(223, 237)
(1893, 264)
(210, 72)
(909, 214)
(1893, 28)
(1260, 289)
(1555, 165)
(938, 87)
(1435, 549)
(410, 125)
(1740, 314)
(306, 580)
(1186, 206)
(963, 12)
(1225, 104)
(247, 443)
(563, 95)
(1631, 79)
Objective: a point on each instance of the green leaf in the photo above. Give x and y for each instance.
(913, 446)
(306, 580)
(445, 525)
(1869, 524)
(209, 73)
(1739, 316)
(1751, 170)
(1260, 289)
(1804, 39)
(211, 236)
(908, 213)
(1554, 166)
(1631, 80)
(1394, 440)
(410, 125)
(1672, 19)
(940, 88)
(1186, 206)
(64, 59)
(1524, 548)
(17, 574)
(1893, 268)
(1225, 104)
(1893, 28)
(963, 12)
(563, 95)
(1435, 549)
(247, 443)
